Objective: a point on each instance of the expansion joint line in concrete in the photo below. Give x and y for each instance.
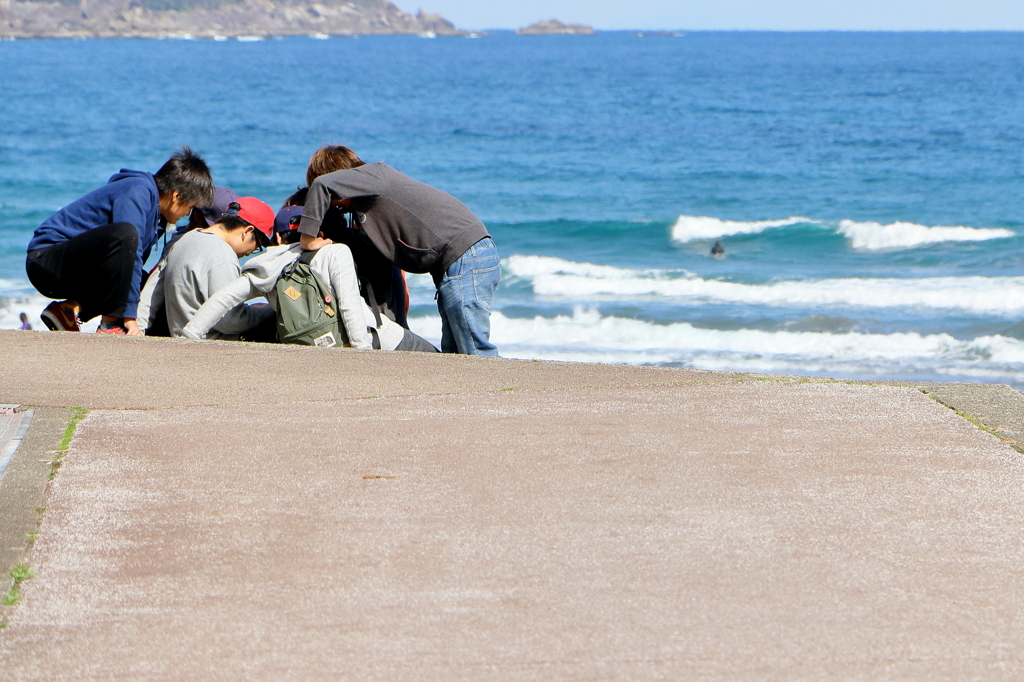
(1003, 423)
(12, 446)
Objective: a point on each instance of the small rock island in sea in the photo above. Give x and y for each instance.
(554, 27)
(252, 19)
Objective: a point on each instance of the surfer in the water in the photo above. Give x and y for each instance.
(718, 251)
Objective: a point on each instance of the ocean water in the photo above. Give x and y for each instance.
(868, 188)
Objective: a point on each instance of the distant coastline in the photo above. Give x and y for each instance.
(215, 19)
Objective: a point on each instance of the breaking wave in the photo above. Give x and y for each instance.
(17, 298)
(13, 303)
(587, 336)
(690, 228)
(875, 236)
(556, 277)
(869, 236)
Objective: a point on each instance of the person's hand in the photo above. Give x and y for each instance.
(313, 243)
(132, 327)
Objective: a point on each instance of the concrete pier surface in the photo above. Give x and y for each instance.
(244, 512)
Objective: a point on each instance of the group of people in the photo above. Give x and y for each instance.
(355, 227)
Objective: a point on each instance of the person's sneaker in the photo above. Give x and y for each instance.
(114, 329)
(57, 318)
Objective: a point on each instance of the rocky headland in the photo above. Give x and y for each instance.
(554, 27)
(213, 19)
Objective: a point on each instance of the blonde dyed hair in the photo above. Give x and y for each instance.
(333, 157)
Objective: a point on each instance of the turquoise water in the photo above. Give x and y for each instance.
(866, 187)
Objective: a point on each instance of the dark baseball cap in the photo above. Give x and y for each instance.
(287, 219)
(222, 198)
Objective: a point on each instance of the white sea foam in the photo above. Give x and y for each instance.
(869, 236)
(587, 336)
(560, 278)
(536, 266)
(13, 303)
(875, 236)
(688, 228)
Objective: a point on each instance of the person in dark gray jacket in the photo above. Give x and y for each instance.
(418, 228)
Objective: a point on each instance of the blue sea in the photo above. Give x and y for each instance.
(868, 188)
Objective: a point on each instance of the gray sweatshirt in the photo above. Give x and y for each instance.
(333, 264)
(417, 227)
(152, 296)
(199, 265)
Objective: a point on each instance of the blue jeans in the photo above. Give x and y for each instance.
(464, 300)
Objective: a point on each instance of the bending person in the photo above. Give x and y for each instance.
(418, 228)
(90, 253)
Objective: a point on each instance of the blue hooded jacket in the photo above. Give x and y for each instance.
(128, 197)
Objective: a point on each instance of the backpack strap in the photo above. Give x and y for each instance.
(371, 299)
(306, 256)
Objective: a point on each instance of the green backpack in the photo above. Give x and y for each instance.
(306, 312)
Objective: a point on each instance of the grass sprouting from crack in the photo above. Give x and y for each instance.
(19, 574)
(77, 415)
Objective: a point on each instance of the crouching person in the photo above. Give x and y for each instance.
(359, 327)
(205, 260)
(91, 252)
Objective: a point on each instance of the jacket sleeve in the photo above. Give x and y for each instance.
(364, 181)
(152, 296)
(241, 317)
(130, 209)
(336, 262)
(218, 305)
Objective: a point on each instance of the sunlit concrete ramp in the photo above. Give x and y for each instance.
(232, 512)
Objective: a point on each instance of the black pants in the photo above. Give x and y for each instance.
(95, 268)
(265, 332)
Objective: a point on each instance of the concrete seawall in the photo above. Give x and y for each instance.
(257, 512)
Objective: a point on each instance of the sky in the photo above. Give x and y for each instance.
(778, 15)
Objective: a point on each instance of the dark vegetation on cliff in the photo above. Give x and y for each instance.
(212, 18)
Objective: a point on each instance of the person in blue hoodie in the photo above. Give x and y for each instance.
(91, 252)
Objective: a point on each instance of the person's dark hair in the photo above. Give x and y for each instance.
(291, 237)
(196, 219)
(232, 222)
(187, 174)
(297, 198)
(334, 157)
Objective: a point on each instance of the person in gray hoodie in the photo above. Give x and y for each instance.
(151, 316)
(418, 228)
(206, 259)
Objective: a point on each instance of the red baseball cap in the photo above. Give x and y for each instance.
(256, 213)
